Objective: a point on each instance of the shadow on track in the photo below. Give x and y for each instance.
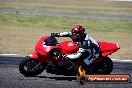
(59, 78)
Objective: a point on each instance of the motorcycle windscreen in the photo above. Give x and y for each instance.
(108, 48)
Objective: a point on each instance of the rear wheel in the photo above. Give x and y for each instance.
(31, 67)
(104, 67)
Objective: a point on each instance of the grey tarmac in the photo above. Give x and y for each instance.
(10, 77)
(60, 13)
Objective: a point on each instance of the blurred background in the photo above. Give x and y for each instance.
(23, 22)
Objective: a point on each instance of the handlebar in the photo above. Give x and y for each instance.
(55, 34)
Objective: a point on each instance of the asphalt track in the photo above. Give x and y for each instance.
(60, 13)
(11, 78)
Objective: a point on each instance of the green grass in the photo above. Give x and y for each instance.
(19, 33)
(99, 3)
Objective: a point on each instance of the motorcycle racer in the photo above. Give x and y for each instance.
(88, 47)
(69, 58)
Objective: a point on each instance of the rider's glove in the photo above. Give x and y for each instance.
(55, 34)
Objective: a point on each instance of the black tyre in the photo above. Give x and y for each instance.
(108, 65)
(31, 67)
(104, 67)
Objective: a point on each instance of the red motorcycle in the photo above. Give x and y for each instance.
(43, 58)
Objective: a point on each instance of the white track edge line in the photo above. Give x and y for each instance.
(118, 60)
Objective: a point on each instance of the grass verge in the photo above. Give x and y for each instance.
(19, 33)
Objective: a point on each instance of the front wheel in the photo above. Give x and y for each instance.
(31, 67)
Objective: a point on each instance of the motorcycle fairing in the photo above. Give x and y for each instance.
(43, 49)
(68, 47)
(108, 48)
(33, 55)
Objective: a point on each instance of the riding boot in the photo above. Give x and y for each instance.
(86, 68)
